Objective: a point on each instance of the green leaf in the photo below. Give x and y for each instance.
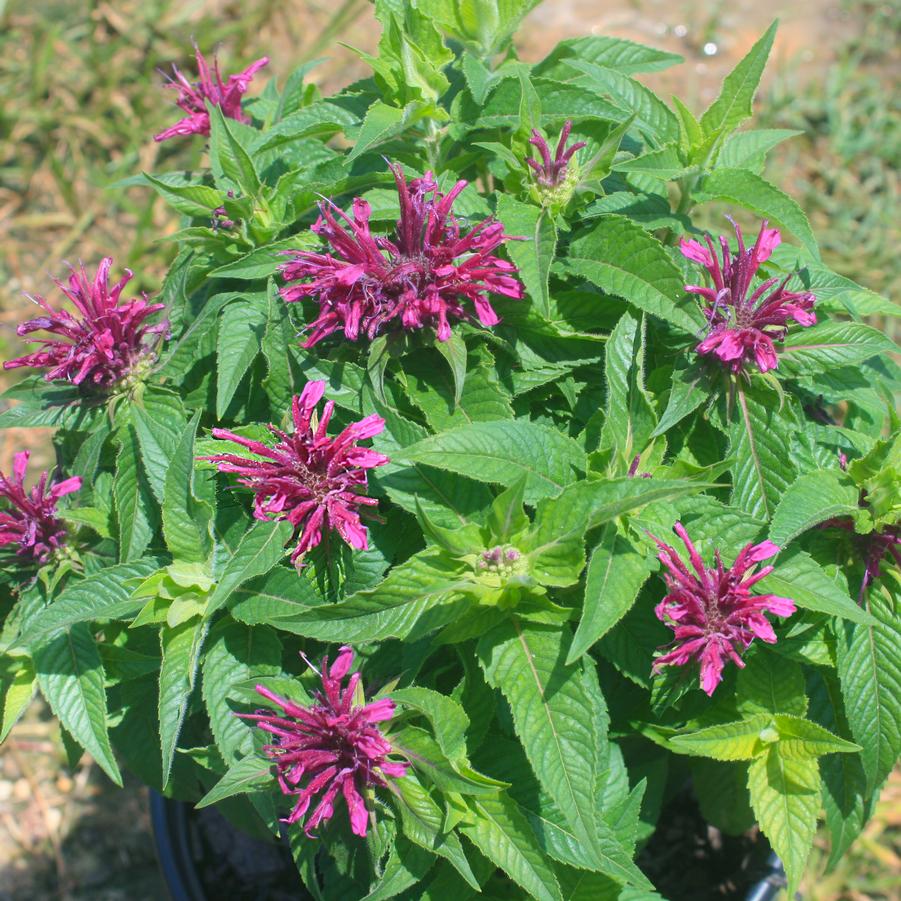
(180, 649)
(423, 823)
(318, 120)
(263, 261)
(691, 135)
(500, 830)
(381, 123)
(377, 364)
(845, 798)
(38, 404)
(554, 714)
(158, 421)
(629, 418)
(506, 516)
(479, 78)
(555, 547)
(739, 740)
(483, 398)
(454, 351)
(280, 593)
(652, 115)
(409, 598)
(689, 389)
(234, 160)
(235, 654)
(831, 344)
(735, 102)
(502, 452)
(197, 201)
(133, 498)
(70, 674)
(748, 149)
(185, 518)
(665, 164)
(92, 517)
(247, 774)
(801, 739)
(621, 258)
(616, 572)
(534, 256)
(261, 548)
(770, 683)
(448, 719)
(16, 691)
(751, 191)
(529, 101)
(869, 667)
(181, 354)
(87, 460)
(446, 775)
(811, 499)
(799, 577)
(758, 437)
(615, 53)
(407, 864)
(240, 337)
(785, 795)
(105, 594)
(831, 290)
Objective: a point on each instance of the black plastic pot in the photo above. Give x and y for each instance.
(178, 832)
(202, 856)
(772, 883)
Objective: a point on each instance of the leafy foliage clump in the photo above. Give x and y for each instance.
(529, 686)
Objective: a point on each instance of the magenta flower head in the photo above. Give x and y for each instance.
(711, 611)
(334, 746)
(551, 172)
(28, 520)
(225, 95)
(742, 325)
(307, 478)
(102, 347)
(420, 277)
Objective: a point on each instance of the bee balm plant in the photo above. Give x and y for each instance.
(444, 360)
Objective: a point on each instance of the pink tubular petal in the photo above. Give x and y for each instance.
(20, 465)
(762, 551)
(778, 606)
(343, 662)
(768, 241)
(356, 808)
(696, 252)
(68, 486)
(379, 711)
(711, 667)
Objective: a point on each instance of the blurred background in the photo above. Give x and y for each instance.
(81, 99)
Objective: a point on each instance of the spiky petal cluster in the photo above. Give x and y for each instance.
(225, 95)
(333, 747)
(307, 478)
(29, 519)
(551, 172)
(367, 284)
(711, 610)
(742, 325)
(105, 344)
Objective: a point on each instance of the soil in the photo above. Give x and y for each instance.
(239, 867)
(687, 859)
